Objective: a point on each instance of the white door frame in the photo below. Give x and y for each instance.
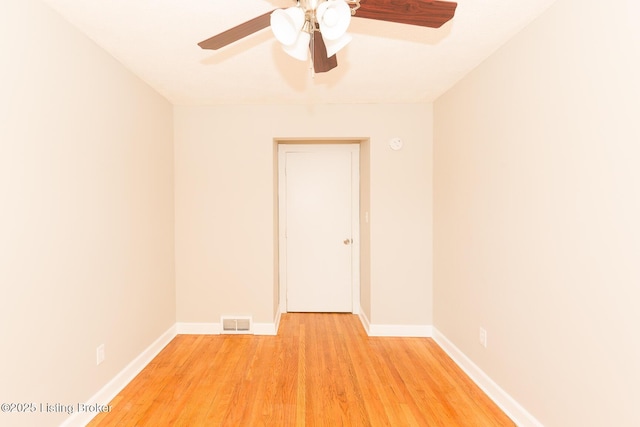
(355, 214)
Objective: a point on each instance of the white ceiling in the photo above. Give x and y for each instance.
(385, 62)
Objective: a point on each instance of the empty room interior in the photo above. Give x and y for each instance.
(497, 215)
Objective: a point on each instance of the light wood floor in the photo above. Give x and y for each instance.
(321, 369)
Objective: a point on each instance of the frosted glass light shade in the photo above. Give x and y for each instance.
(286, 24)
(300, 49)
(334, 17)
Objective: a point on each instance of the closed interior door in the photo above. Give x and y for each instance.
(318, 231)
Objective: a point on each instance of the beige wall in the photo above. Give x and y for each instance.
(86, 213)
(537, 207)
(224, 206)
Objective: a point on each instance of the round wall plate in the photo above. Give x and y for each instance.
(395, 144)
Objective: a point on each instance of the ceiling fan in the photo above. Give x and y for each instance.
(319, 26)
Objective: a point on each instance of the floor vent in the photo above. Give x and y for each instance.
(236, 325)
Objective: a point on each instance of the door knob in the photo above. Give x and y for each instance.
(347, 241)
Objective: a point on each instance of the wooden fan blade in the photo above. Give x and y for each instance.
(238, 32)
(321, 63)
(426, 13)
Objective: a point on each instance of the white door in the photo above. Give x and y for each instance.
(319, 240)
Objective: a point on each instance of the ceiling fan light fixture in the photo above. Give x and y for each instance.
(334, 17)
(320, 26)
(300, 49)
(286, 24)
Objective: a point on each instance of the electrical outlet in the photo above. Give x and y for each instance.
(483, 337)
(100, 354)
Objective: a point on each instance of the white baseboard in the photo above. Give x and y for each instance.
(365, 321)
(257, 328)
(277, 319)
(113, 387)
(420, 331)
(508, 404)
(265, 329)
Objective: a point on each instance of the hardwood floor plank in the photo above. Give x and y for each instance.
(301, 395)
(320, 370)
